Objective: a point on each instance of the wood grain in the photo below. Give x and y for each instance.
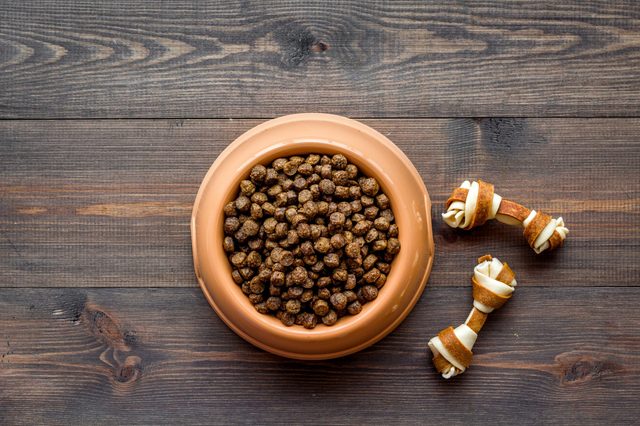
(70, 356)
(189, 58)
(107, 203)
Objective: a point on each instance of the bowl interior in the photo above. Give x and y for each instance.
(292, 147)
(376, 157)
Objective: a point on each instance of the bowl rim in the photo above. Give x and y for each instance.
(321, 330)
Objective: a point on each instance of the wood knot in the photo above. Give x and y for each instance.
(129, 371)
(576, 368)
(106, 329)
(319, 47)
(297, 43)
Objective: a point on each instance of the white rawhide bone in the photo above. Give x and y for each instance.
(493, 284)
(473, 203)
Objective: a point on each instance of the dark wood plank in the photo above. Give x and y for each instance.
(107, 203)
(192, 59)
(153, 356)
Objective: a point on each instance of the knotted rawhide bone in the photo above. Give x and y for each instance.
(493, 284)
(472, 204)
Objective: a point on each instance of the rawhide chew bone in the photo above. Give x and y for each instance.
(472, 204)
(493, 284)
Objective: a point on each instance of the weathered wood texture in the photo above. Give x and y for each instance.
(126, 59)
(153, 356)
(107, 203)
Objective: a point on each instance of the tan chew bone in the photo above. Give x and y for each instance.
(473, 203)
(493, 284)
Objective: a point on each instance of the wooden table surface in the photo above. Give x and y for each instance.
(112, 112)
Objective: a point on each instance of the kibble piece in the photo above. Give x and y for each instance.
(351, 282)
(306, 296)
(231, 225)
(247, 187)
(259, 198)
(256, 211)
(309, 320)
(274, 190)
(235, 274)
(304, 230)
(269, 225)
(352, 170)
(382, 201)
(387, 214)
(305, 169)
(268, 208)
(323, 282)
(342, 192)
(306, 248)
(320, 307)
(332, 260)
(338, 241)
(350, 295)
(286, 259)
(312, 159)
(322, 245)
(370, 186)
(310, 260)
(277, 278)
(354, 308)
(330, 318)
(256, 286)
(299, 275)
(278, 164)
(339, 301)
(393, 230)
(286, 318)
(324, 293)
(371, 212)
(369, 261)
(371, 276)
(243, 203)
(327, 187)
(393, 246)
(383, 267)
(369, 292)
(366, 201)
(230, 209)
(379, 245)
(339, 161)
(293, 306)
(273, 303)
(381, 224)
(313, 179)
(253, 260)
(258, 173)
(381, 281)
(246, 273)
(261, 307)
(337, 219)
(238, 259)
(352, 250)
(361, 228)
(299, 183)
(340, 177)
(371, 236)
(290, 168)
(272, 177)
(340, 275)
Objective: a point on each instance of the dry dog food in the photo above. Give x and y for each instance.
(310, 239)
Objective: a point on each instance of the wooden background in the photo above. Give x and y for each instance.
(111, 113)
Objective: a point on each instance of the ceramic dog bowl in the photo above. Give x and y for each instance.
(376, 156)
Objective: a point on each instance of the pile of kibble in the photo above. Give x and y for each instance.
(310, 238)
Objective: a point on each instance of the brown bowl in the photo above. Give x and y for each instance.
(377, 156)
